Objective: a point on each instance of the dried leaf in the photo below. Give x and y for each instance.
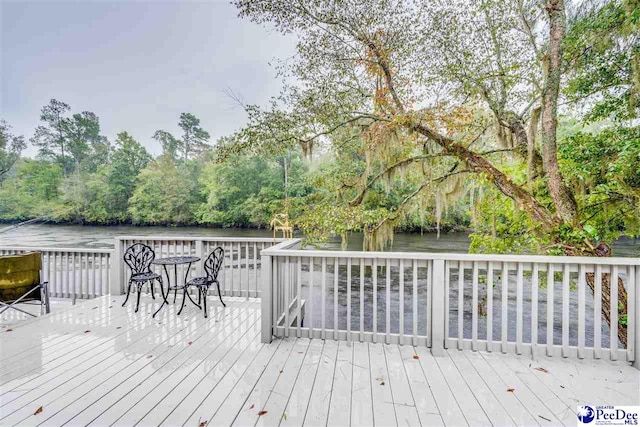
(202, 424)
(252, 406)
(541, 369)
(9, 330)
(38, 411)
(284, 416)
(119, 327)
(87, 331)
(415, 356)
(190, 342)
(149, 356)
(382, 383)
(511, 390)
(261, 413)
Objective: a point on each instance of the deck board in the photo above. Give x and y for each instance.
(130, 369)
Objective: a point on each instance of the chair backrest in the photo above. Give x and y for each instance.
(139, 257)
(213, 263)
(18, 274)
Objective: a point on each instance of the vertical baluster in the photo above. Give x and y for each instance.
(415, 301)
(474, 307)
(246, 268)
(232, 270)
(581, 308)
(349, 299)
(362, 299)
(460, 303)
(74, 287)
(534, 307)
(100, 278)
(94, 274)
(613, 325)
(255, 269)
(490, 306)
(311, 309)
(447, 286)
(323, 296)
(374, 279)
(550, 298)
(519, 307)
(298, 296)
(388, 306)
(505, 304)
(428, 265)
(401, 302)
(66, 283)
(335, 298)
(632, 311)
(565, 310)
(287, 299)
(49, 278)
(277, 286)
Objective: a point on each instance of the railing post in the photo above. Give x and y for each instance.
(199, 254)
(636, 314)
(116, 285)
(267, 293)
(438, 314)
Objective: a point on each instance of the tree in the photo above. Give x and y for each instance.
(194, 138)
(51, 138)
(170, 145)
(417, 81)
(128, 160)
(10, 148)
(74, 142)
(162, 195)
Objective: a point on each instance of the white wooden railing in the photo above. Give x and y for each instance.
(533, 305)
(71, 272)
(240, 273)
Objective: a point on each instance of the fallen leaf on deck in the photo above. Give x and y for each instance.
(541, 369)
(415, 356)
(119, 327)
(261, 413)
(281, 370)
(94, 307)
(149, 356)
(252, 405)
(9, 330)
(284, 416)
(38, 411)
(87, 331)
(202, 424)
(511, 390)
(190, 342)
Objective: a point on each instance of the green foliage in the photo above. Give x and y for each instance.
(164, 194)
(10, 148)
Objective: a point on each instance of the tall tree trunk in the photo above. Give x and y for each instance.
(532, 153)
(561, 195)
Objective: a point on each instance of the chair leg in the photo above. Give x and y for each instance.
(128, 292)
(139, 292)
(220, 295)
(151, 285)
(199, 295)
(184, 297)
(203, 291)
(175, 294)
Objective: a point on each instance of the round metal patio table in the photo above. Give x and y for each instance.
(175, 261)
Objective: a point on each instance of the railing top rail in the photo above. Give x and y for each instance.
(55, 249)
(281, 251)
(206, 238)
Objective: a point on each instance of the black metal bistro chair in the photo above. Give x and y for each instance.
(212, 267)
(139, 257)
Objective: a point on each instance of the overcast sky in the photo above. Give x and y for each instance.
(137, 64)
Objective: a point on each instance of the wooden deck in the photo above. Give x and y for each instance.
(100, 364)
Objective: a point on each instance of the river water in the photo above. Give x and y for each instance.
(71, 236)
(84, 236)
